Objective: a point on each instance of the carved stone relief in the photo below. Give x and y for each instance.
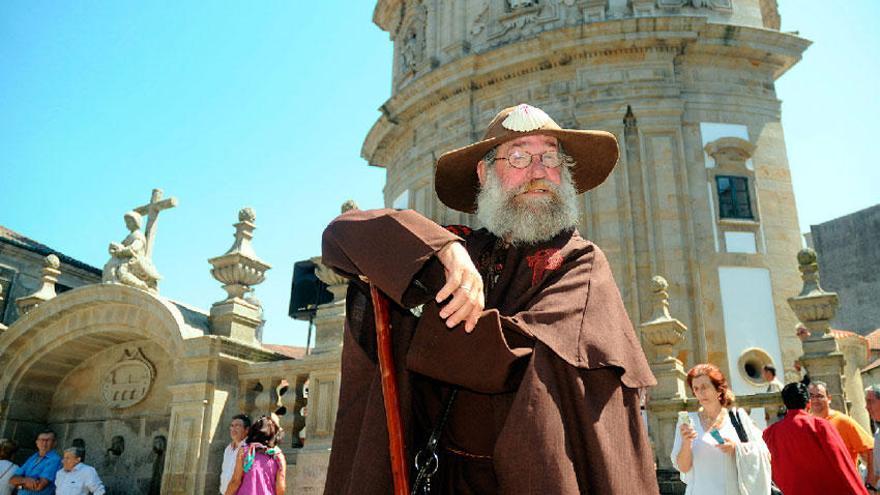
(160, 445)
(479, 24)
(503, 21)
(673, 4)
(411, 39)
(719, 5)
(518, 4)
(128, 381)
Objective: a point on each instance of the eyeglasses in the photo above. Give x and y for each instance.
(522, 159)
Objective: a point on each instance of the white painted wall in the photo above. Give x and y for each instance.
(749, 319)
(712, 200)
(740, 242)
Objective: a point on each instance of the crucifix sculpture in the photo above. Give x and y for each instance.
(151, 211)
(131, 260)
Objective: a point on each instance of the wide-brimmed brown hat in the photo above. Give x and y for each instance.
(456, 181)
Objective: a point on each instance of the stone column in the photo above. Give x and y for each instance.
(47, 289)
(199, 395)
(186, 457)
(239, 316)
(323, 401)
(330, 317)
(855, 353)
(664, 332)
(815, 308)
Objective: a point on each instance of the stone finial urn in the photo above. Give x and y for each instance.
(814, 307)
(668, 397)
(239, 316)
(239, 269)
(47, 288)
(662, 331)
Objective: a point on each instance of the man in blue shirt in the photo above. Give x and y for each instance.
(37, 475)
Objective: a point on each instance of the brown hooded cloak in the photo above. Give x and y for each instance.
(548, 381)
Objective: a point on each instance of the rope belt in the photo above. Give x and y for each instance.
(462, 453)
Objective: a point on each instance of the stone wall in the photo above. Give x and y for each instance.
(21, 269)
(82, 408)
(849, 252)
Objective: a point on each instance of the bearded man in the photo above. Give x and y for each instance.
(512, 345)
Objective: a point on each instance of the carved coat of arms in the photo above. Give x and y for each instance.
(128, 381)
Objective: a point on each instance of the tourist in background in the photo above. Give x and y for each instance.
(872, 404)
(708, 448)
(772, 414)
(7, 468)
(238, 430)
(858, 442)
(37, 475)
(75, 477)
(260, 464)
(807, 454)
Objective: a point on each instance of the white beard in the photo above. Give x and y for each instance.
(524, 220)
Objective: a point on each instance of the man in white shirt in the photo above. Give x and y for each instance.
(772, 414)
(76, 478)
(238, 429)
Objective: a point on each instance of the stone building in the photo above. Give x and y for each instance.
(702, 194)
(21, 262)
(848, 249)
(148, 385)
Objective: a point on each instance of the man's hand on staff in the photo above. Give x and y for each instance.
(464, 284)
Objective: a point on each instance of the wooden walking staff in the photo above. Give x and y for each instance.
(389, 392)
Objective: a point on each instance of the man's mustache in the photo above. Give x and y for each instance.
(537, 185)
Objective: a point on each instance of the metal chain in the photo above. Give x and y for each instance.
(426, 460)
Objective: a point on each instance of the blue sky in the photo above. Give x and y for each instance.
(266, 104)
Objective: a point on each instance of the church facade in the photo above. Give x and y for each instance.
(147, 385)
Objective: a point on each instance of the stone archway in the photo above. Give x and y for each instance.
(85, 363)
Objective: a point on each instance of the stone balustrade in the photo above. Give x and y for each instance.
(305, 395)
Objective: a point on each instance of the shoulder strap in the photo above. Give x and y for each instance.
(738, 426)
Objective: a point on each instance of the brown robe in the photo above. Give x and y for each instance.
(548, 381)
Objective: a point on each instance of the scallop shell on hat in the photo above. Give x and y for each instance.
(525, 118)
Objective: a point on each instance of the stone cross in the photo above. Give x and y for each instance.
(151, 211)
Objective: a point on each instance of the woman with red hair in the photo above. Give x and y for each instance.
(708, 449)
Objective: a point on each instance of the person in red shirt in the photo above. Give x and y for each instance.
(807, 454)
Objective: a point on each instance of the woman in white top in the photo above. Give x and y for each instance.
(707, 448)
(7, 468)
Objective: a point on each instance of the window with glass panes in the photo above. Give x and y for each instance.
(733, 197)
